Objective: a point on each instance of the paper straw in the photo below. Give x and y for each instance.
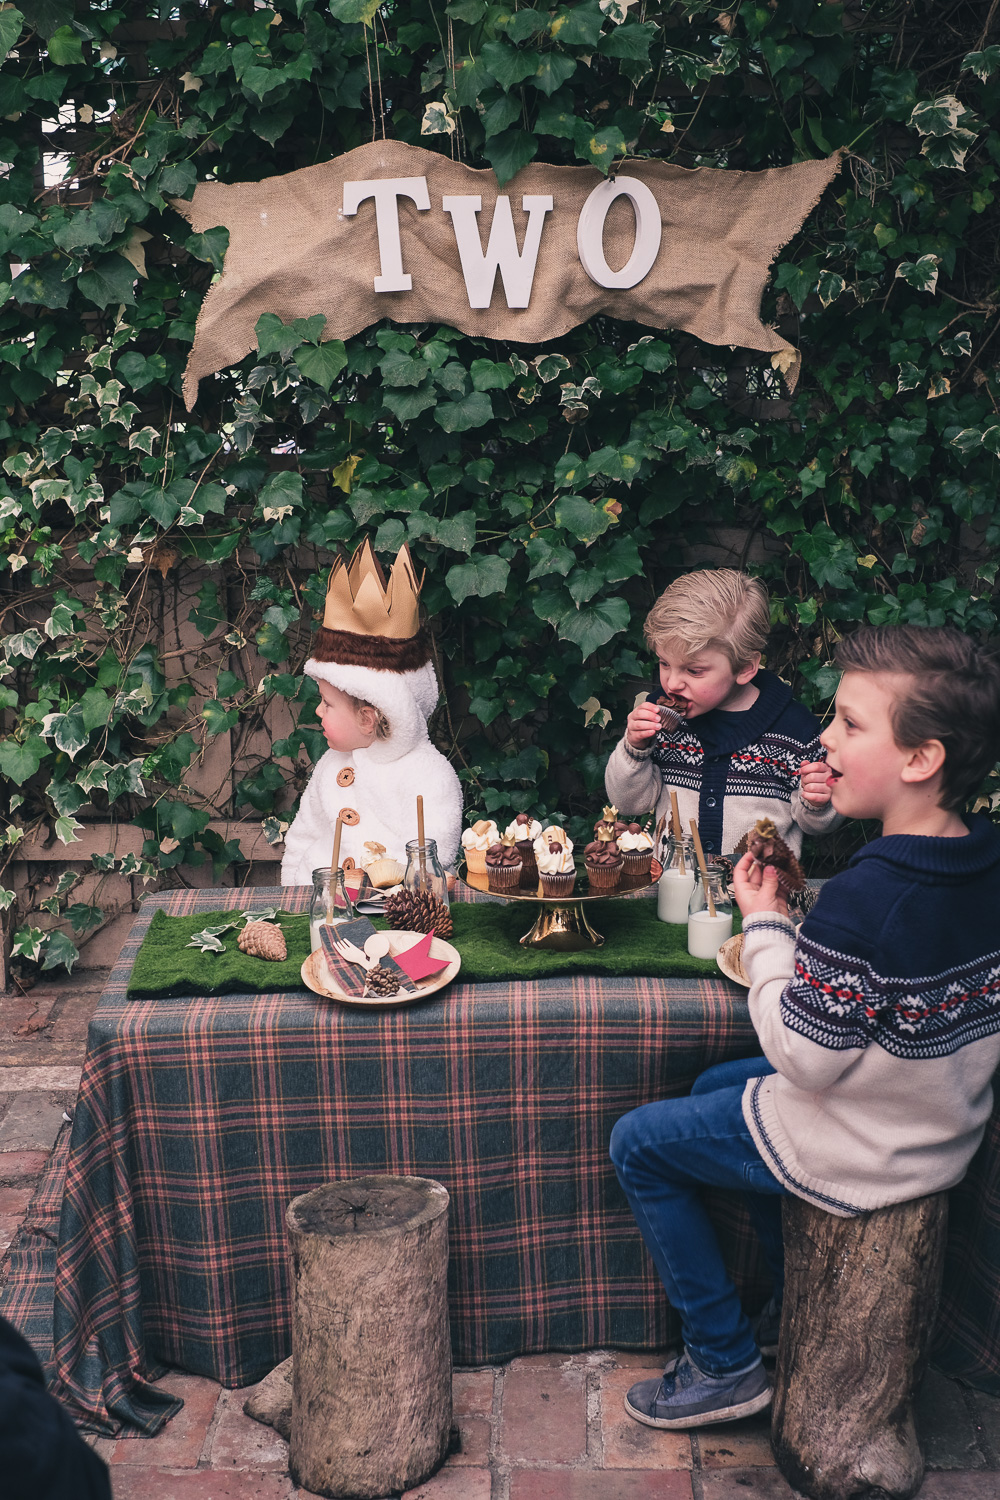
(704, 868)
(420, 840)
(675, 819)
(334, 867)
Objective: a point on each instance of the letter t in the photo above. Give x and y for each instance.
(386, 192)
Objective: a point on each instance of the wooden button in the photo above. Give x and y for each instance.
(345, 777)
(349, 816)
(348, 864)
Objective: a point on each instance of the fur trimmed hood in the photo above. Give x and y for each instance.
(406, 698)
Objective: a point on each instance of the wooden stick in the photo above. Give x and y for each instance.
(420, 840)
(704, 868)
(334, 866)
(675, 819)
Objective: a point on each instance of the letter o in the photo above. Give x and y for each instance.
(590, 233)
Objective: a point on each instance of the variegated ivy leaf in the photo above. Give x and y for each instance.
(959, 345)
(66, 830)
(24, 645)
(921, 274)
(28, 942)
(938, 116)
(144, 439)
(207, 942)
(267, 915)
(274, 829)
(437, 120)
(67, 880)
(6, 898)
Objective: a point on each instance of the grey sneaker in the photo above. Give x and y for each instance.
(766, 1328)
(685, 1396)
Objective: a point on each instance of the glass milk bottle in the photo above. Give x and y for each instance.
(330, 903)
(423, 871)
(708, 930)
(677, 881)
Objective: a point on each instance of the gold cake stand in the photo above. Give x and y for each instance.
(562, 922)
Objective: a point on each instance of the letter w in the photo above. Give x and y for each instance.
(517, 271)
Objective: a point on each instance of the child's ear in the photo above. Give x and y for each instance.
(924, 762)
(749, 672)
(367, 720)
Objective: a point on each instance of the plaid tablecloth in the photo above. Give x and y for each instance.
(199, 1119)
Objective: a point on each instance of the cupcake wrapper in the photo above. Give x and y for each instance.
(604, 877)
(636, 861)
(558, 885)
(475, 860)
(504, 877)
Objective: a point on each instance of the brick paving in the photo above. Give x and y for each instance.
(545, 1427)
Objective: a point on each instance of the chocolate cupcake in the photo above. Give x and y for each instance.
(636, 850)
(503, 868)
(524, 830)
(604, 864)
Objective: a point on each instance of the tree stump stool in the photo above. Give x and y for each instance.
(371, 1385)
(861, 1296)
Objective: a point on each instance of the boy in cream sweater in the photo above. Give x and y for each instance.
(743, 749)
(880, 1023)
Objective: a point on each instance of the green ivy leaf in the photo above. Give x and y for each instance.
(600, 147)
(210, 245)
(554, 69)
(110, 282)
(477, 579)
(20, 759)
(276, 337)
(459, 416)
(323, 362)
(592, 627)
(631, 41)
(508, 152)
(218, 718)
(11, 24)
(508, 65)
(353, 12)
(582, 519)
(65, 48)
(578, 26)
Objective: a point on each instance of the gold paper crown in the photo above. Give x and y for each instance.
(361, 601)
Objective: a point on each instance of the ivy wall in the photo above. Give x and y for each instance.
(550, 492)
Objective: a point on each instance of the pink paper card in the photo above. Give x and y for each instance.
(417, 961)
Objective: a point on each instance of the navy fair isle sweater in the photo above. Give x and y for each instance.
(728, 770)
(883, 1022)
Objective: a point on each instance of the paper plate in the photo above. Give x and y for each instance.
(316, 976)
(728, 959)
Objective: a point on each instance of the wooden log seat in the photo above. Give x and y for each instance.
(371, 1381)
(861, 1296)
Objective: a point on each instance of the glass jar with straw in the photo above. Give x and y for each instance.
(330, 902)
(710, 910)
(677, 881)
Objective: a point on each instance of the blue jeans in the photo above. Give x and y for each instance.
(663, 1153)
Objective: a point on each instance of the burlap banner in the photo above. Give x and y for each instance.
(394, 231)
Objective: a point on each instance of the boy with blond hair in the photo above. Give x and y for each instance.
(879, 1023)
(743, 748)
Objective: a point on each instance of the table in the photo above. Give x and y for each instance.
(199, 1119)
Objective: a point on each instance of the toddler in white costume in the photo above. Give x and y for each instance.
(372, 660)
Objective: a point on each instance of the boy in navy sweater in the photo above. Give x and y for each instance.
(880, 1024)
(743, 749)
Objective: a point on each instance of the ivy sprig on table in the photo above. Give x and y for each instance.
(208, 939)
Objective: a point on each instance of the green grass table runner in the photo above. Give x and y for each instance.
(486, 935)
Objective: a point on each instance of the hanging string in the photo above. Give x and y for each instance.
(378, 75)
(455, 145)
(371, 86)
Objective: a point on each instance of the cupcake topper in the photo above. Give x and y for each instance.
(610, 815)
(605, 833)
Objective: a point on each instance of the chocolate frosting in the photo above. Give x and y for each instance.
(502, 854)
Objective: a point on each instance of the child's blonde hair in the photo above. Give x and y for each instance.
(722, 609)
(382, 728)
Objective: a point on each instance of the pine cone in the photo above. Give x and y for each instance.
(381, 981)
(418, 911)
(263, 940)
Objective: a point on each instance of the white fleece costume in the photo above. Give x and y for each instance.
(387, 778)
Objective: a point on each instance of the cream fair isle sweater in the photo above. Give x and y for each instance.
(882, 1021)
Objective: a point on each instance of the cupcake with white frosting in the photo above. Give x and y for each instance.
(524, 830)
(556, 870)
(475, 842)
(636, 850)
